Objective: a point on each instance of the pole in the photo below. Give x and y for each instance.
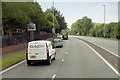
(31, 36)
(53, 18)
(53, 13)
(104, 20)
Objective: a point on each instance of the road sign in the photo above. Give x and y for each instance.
(53, 30)
(31, 27)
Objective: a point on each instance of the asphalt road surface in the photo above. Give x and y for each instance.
(111, 45)
(74, 60)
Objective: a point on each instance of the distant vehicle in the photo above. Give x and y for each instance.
(65, 36)
(59, 36)
(57, 43)
(40, 51)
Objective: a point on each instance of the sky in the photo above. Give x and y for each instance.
(73, 10)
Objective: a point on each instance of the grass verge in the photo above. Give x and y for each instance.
(11, 60)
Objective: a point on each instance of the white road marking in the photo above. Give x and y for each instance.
(66, 53)
(104, 60)
(105, 49)
(108, 51)
(12, 67)
(62, 60)
(53, 77)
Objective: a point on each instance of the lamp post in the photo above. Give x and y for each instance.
(53, 29)
(104, 20)
(53, 13)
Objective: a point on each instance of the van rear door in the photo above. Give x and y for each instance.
(37, 51)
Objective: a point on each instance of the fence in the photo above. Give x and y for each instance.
(21, 38)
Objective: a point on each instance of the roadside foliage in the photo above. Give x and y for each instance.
(85, 27)
(17, 15)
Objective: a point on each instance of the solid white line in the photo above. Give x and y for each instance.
(12, 67)
(66, 53)
(62, 60)
(53, 77)
(104, 60)
(108, 51)
(105, 49)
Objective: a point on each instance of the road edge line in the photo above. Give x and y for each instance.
(9, 68)
(62, 60)
(114, 70)
(53, 77)
(102, 48)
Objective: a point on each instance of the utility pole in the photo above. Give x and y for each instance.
(104, 20)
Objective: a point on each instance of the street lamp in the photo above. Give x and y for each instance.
(53, 13)
(53, 29)
(104, 19)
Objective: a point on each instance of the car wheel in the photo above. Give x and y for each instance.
(28, 62)
(61, 46)
(49, 61)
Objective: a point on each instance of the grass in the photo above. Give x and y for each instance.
(11, 60)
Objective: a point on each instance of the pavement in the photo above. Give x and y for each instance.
(74, 60)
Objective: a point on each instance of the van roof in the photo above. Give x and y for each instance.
(39, 41)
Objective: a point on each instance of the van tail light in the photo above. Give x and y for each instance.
(47, 51)
(27, 53)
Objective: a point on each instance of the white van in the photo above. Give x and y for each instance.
(40, 51)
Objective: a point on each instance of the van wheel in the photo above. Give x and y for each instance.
(49, 61)
(28, 62)
(54, 56)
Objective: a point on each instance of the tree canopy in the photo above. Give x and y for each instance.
(60, 18)
(17, 15)
(86, 27)
(81, 26)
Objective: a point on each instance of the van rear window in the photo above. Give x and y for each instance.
(36, 46)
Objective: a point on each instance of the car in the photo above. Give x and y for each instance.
(65, 36)
(57, 43)
(40, 51)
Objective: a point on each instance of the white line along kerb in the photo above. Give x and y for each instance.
(62, 60)
(66, 53)
(103, 60)
(106, 50)
(53, 77)
(12, 67)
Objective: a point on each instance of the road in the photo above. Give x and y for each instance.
(74, 60)
(111, 45)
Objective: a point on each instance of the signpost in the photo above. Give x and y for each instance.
(53, 31)
(31, 28)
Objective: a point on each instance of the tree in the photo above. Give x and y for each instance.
(16, 16)
(51, 24)
(82, 26)
(60, 18)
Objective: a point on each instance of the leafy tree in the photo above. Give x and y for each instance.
(16, 16)
(60, 18)
(51, 24)
(82, 26)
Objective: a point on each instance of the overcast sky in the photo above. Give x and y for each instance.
(76, 9)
